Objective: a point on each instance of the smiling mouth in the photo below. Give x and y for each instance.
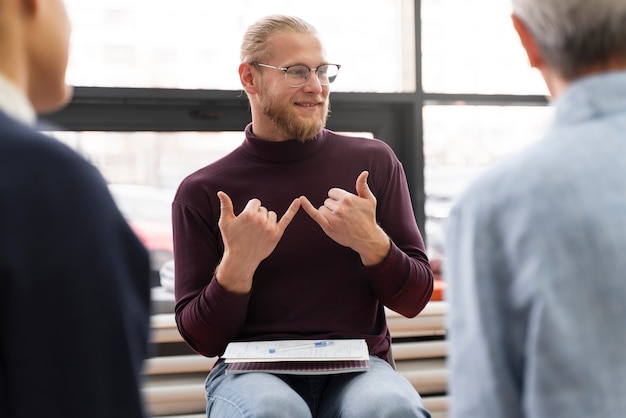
(308, 104)
(309, 101)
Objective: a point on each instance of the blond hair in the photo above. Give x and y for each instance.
(255, 47)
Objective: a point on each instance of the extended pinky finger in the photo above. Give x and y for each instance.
(314, 213)
(291, 211)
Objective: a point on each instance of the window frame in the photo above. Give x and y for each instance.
(395, 118)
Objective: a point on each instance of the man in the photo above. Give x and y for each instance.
(345, 244)
(535, 248)
(73, 277)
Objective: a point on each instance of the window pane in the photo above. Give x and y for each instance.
(460, 142)
(143, 170)
(194, 44)
(155, 159)
(470, 46)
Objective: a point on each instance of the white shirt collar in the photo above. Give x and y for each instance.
(14, 103)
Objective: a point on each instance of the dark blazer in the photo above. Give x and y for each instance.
(74, 286)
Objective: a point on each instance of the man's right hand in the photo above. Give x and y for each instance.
(249, 238)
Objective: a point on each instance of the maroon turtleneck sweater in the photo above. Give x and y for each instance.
(310, 286)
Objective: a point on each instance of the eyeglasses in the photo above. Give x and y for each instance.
(297, 75)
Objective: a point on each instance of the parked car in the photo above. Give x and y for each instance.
(148, 212)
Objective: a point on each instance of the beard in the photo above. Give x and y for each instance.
(289, 123)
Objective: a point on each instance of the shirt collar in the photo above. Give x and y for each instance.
(592, 97)
(14, 103)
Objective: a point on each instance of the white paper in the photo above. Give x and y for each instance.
(297, 350)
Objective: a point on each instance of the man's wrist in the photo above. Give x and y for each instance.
(234, 276)
(376, 250)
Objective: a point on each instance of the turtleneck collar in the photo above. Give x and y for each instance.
(284, 151)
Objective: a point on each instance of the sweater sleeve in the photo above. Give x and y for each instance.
(207, 316)
(404, 280)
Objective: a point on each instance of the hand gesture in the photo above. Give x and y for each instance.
(248, 238)
(350, 220)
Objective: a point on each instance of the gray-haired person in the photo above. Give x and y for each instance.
(535, 248)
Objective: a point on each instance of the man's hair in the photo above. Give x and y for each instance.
(576, 35)
(255, 47)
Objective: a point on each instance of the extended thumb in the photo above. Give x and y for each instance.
(226, 205)
(362, 188)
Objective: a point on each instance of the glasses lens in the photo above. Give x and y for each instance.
(297, 75)
(327, 73)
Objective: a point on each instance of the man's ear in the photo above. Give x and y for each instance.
(528, 42)
(248, 78)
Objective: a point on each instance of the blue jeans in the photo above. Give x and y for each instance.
(380, 392)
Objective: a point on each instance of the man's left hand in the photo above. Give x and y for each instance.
(350, 220)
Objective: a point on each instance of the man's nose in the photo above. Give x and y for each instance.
(313, 82)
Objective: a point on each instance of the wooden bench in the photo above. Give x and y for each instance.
(174, 374)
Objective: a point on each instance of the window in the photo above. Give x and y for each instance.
(155, 159)
(193, 44)
(470, 46)
(460, 142)
(158, 93)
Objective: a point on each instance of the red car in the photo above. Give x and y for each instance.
(148, 211)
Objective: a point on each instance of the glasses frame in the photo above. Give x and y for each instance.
(307, 75)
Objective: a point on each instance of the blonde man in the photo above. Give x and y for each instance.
(345, 245)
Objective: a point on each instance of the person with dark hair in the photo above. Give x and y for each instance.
(535, 264)
(74, 279)
(299, 233)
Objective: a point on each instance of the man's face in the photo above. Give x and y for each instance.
(293, 112)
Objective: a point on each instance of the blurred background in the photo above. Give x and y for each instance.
(157, 96)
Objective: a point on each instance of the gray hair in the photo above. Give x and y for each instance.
(575, 35)
(255, 47)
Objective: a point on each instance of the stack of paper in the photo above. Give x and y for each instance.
(298, 356)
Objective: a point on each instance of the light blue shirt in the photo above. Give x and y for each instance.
(536, 270)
